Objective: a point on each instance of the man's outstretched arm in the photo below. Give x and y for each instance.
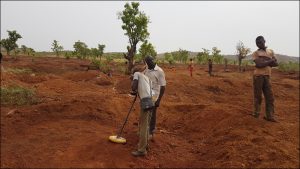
(161, 93)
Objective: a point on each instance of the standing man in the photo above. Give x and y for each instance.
(141, 85)
(210, 67)
(225, 64)
(1, 61)
(191, 67)
(264, 60)
(157, 77)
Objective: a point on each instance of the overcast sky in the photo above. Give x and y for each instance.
(189, 25)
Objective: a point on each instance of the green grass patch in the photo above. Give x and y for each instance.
(17, 95)
(288, 66)
(19, 70)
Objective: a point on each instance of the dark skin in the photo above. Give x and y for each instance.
(264, 61)
(151, 66)
(134, 86)
(0, 57)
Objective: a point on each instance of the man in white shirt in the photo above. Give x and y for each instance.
(141, 85)
(157, 77)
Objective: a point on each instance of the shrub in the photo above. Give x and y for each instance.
(169, 58)
(105, 68)
(17, 95)
(289, 66)
(19, 70)
(68, 55)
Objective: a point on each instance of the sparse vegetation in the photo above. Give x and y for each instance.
(56, 47)
(17, 95)
(169, 58)
(10, 43)
(68, 55)
(81, 50)
(242, 52)
(97, 52)
(19, 70)
(180, 55)
(289, 66)
(202, 57)
(24, 49)
(216, 56)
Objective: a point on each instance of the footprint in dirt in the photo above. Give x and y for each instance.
(214, 89)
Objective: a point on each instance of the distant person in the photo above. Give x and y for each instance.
(264, 60)
(210, 67)
(225, 64)
(1, 61)
(157, 77)
(141, 85)
(191, 67)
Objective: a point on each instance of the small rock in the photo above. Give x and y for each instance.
(13, 111)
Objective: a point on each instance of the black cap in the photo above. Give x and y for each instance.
(259, 38)
(149, 58)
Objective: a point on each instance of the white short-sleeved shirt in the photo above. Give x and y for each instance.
(157, 77)
(143, 84)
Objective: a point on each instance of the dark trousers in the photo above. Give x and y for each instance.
(262, 84)
(153, 121)
(210, 70)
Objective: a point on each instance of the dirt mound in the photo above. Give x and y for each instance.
(228, 81)
(123, 86)
(214, 89)
(77, 76)
(32, 78)
(104, 80)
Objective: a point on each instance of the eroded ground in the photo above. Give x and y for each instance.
(202, 121)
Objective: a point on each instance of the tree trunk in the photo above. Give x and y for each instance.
(240, 63)
(130, 59)
(130, 65)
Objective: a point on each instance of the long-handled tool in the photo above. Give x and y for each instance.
(118, 138)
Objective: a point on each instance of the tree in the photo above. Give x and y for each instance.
(31, 52)
(169, 57)
(217, 57)
(68, 54)
(24, 49)
(183, 55)
(176, 56)
(10, 43)
(147, 49)
(16, 51)
(96, 52)
(101, 50)
(135, 25)
(242, 52)
(202, 57)
(56, 47)
(81, 50)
